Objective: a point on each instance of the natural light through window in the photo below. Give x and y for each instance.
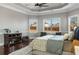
(52, 25)
(33, 25)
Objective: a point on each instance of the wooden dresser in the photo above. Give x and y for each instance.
(11, 42)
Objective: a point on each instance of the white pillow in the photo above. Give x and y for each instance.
(66, 36)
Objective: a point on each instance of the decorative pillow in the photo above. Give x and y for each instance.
(66, 36)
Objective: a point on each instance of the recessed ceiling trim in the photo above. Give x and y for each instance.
(34, 8)
(24, 10)
(9, 6)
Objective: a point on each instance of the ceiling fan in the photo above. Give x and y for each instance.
(41, 5)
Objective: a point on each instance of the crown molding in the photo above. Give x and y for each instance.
(22, 10)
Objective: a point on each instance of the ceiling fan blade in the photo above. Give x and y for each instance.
(37, 4)
(43, 3)
(40, 4)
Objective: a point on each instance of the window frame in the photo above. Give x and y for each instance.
(51, 23)
(69, 21)
(31, 19)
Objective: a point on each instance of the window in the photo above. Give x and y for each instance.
(55, 24)
(72, 22)
(52, 25)
(47, 25)
(33, 24)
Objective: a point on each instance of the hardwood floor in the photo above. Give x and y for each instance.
(68, 47)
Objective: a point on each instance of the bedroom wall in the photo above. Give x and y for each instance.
(13, 20)
(18, 21)
(32, 17)
(40, 18)
(64, 21)
(75, 12)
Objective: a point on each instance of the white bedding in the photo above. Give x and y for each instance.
(40, 43)
(45, 37)
(55, 37)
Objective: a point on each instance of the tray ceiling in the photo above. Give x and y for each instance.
(41, 8)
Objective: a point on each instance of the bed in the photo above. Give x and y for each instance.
(50, 43)
(55, 44)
